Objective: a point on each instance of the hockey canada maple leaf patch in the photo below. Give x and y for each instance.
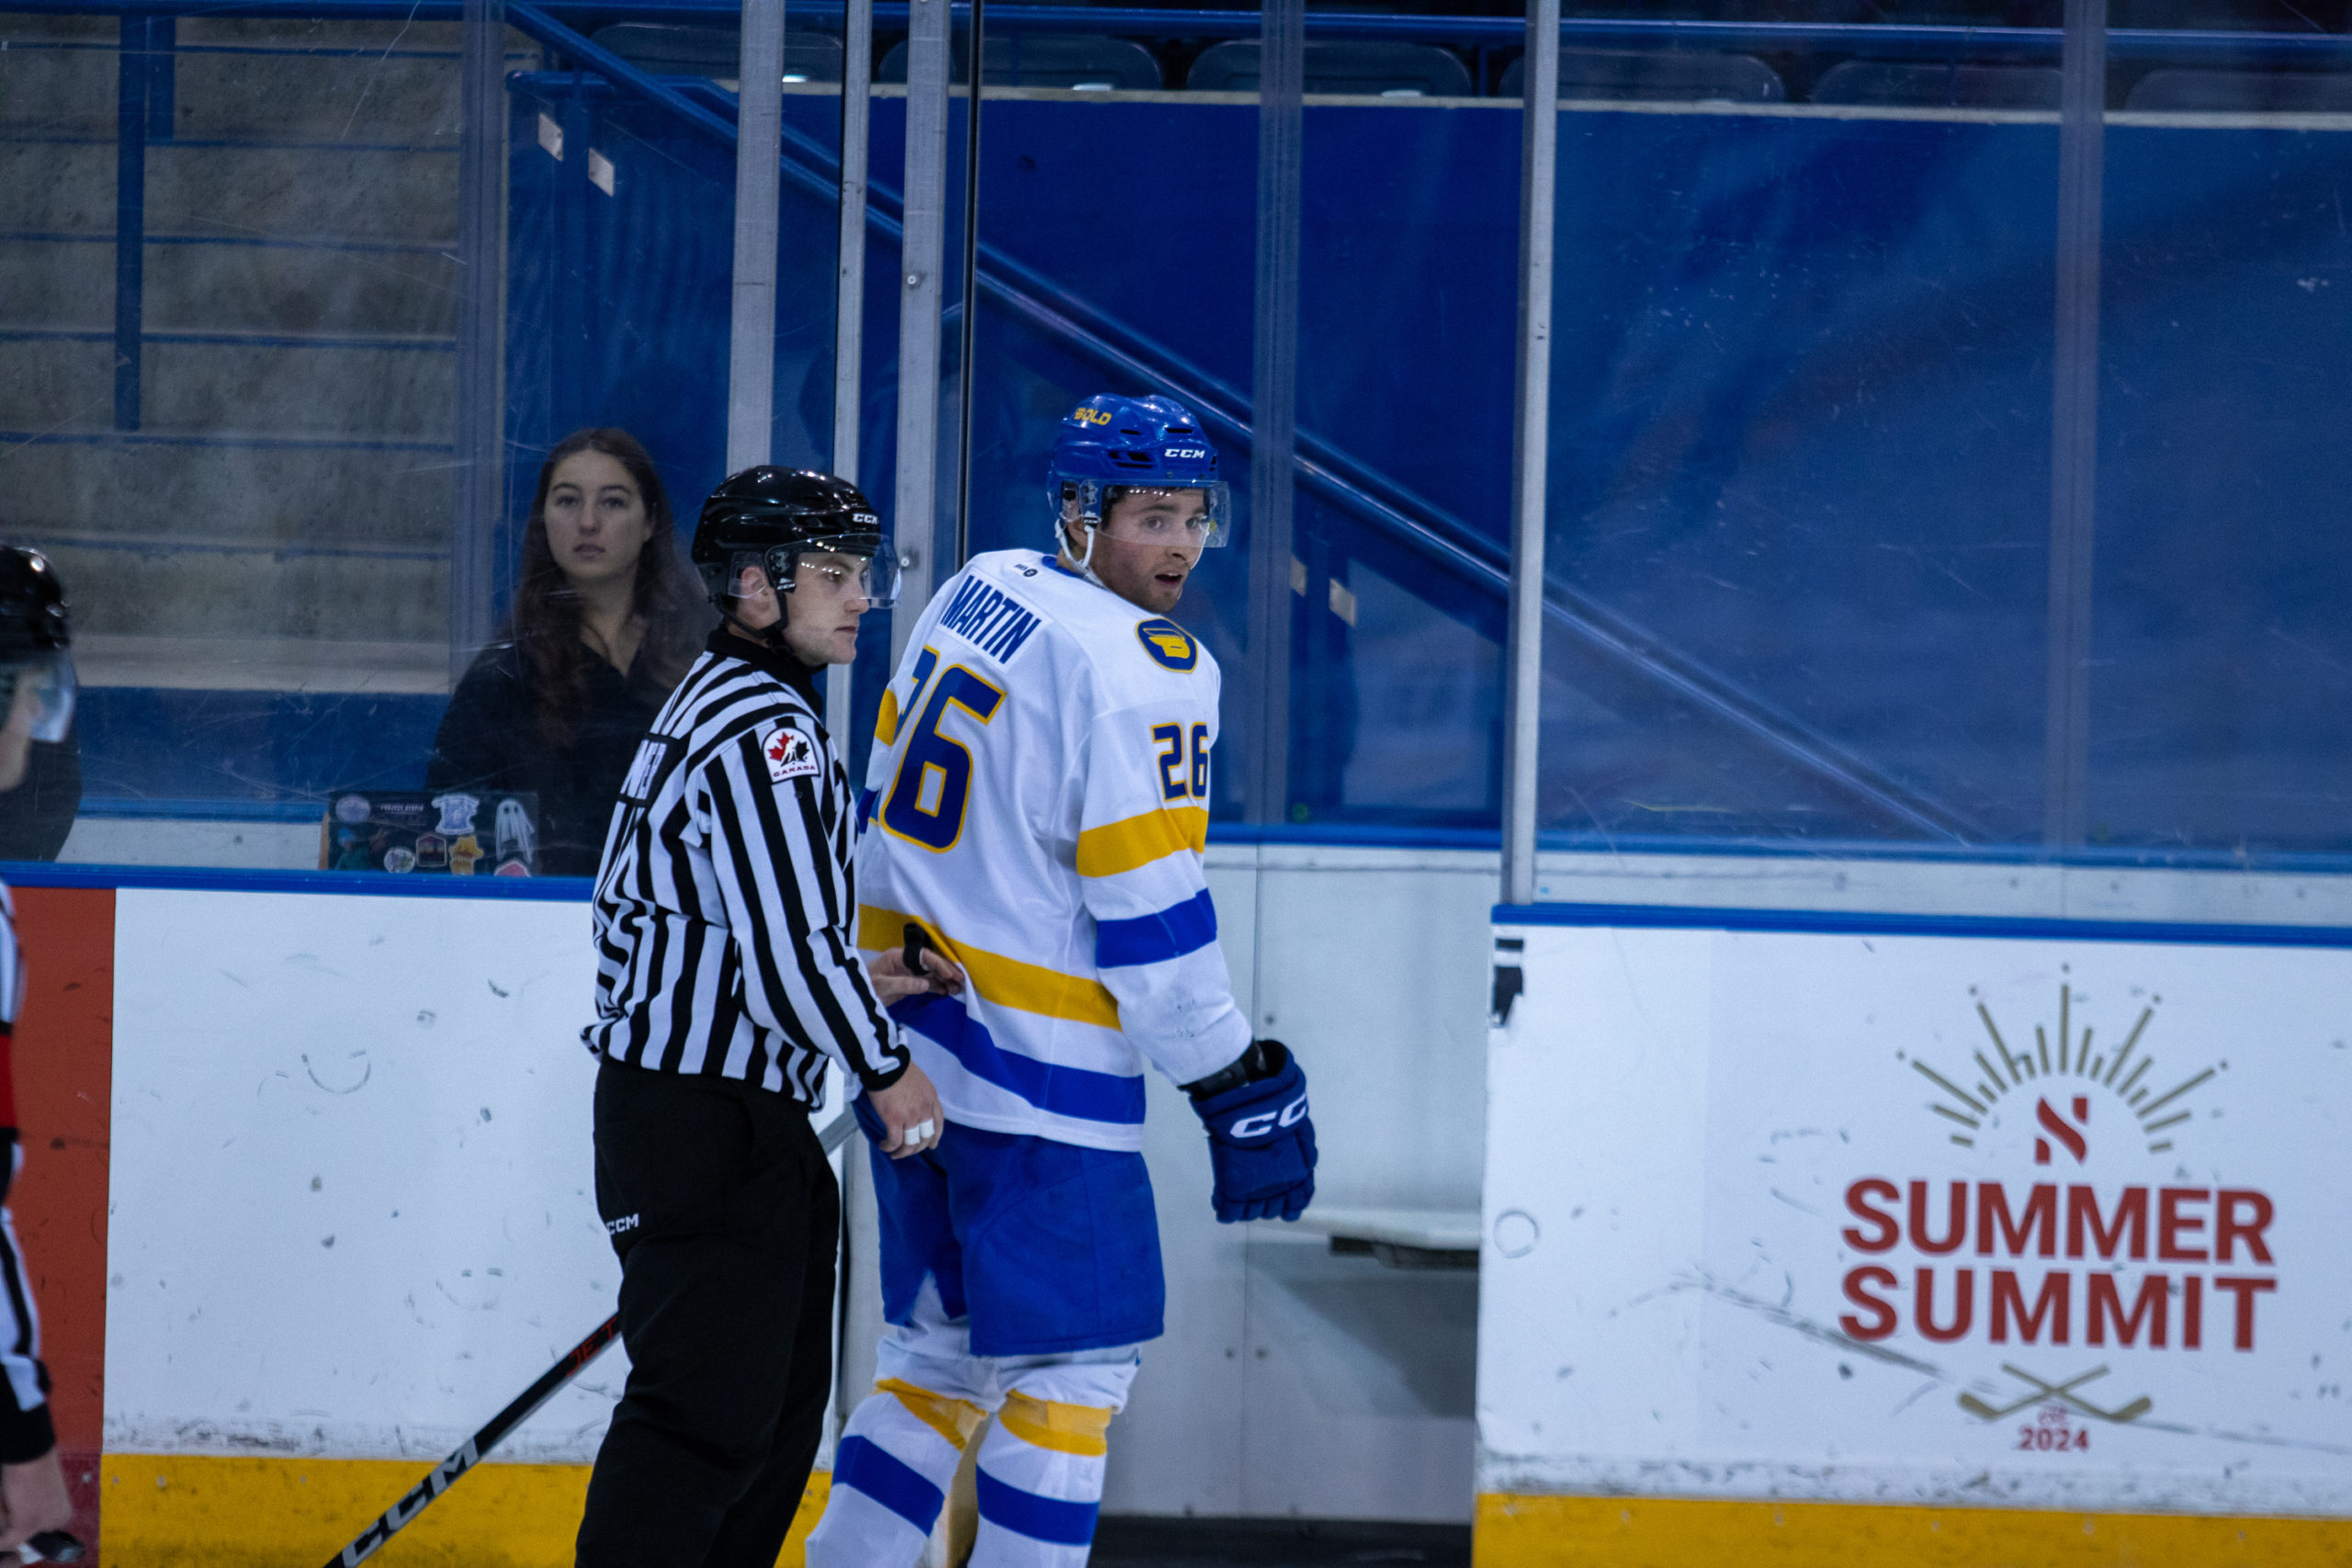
(790, 755)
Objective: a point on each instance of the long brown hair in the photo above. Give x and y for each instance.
(544, 625)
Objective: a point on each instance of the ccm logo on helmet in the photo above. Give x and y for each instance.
(1266, 1122)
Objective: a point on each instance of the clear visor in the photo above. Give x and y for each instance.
(40, 695)
(1193, 518)
(844, 569)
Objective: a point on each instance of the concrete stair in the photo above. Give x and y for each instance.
(288, 484)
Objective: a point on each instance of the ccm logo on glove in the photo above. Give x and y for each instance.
(1258, 1126)
(1262, 1140)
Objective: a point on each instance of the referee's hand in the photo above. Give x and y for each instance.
(894, 981)
(911, 1114)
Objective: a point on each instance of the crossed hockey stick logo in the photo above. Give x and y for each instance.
(2063, 1393)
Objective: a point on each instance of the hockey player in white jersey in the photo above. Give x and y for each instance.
(1037, 806)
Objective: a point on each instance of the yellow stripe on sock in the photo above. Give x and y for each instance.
(1138, 841)
(1065, 1429)
(1006, 982)
(954, 1419)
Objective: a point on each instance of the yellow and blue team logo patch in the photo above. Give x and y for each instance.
(1167, 643)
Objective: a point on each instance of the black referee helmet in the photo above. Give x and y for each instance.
(33, 625)
(769, 517)
(35, 636)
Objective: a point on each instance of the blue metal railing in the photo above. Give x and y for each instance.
(1879, 41)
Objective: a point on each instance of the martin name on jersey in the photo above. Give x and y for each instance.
(1037, 800)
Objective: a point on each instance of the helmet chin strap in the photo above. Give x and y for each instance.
(770, 636)
(1084, 563)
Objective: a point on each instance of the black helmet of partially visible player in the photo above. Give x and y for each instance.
(769, 517)
(35, 637)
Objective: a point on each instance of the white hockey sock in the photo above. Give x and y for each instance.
(1040, 1483)
(890, 1473)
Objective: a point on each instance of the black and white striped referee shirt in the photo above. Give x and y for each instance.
(12, 974)
(725, 898)
(26, 1431)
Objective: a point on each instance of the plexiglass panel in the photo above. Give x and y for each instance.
(1800, 460)
(1799, 475)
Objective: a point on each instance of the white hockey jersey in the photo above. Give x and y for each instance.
(1037, 799)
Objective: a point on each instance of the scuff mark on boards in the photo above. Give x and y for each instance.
(366, 1071)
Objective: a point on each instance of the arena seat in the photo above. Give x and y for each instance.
(669, 48)
(1080, 62)
(1336, 65)
(2243, 92)
(1670, 76)
(1889, 84)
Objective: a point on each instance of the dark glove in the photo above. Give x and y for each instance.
(1262, 1142)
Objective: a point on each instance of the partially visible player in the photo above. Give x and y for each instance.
(38, 674)
(1038, 804)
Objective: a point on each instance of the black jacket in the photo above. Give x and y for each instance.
(489, 740)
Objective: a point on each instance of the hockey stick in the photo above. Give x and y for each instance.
(443, 1475)
(469, 1453)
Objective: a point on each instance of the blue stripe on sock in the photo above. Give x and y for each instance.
(1040, 1518)
(1172, 933)
(889, 1480)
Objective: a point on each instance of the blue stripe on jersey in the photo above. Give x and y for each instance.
(889, 1480)
(1039, 1518)
(1077, 1092)
(865, 807)
(1172, 933)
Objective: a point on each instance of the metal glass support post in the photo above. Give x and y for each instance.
(916, 507)
(474, 510)
(965, 345)
(129, 215)
(2074, 445)
(848, 288)
(759, 142)
(1523, 695)
(163, 75)
(1274, 425)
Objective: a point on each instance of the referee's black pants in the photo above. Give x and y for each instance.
(725, 1213)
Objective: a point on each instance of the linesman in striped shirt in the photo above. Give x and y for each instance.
(727, 979)
(37, 696)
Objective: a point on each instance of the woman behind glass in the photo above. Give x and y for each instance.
(605, 622)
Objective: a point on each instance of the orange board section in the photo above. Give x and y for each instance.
(1674, 1532)
(65, 1067)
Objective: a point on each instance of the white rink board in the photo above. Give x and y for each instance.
(1677, 1119)
(352, 1182)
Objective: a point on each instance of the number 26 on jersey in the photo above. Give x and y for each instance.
(1183, 771)
(934, 784)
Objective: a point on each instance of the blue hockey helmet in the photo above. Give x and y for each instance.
(1111, 445)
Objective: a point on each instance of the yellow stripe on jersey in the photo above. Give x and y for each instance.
(1049, 1424)
(885, 724)
(1008, 982)
(1138, 841)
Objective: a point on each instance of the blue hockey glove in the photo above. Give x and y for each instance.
(1262, 1142)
